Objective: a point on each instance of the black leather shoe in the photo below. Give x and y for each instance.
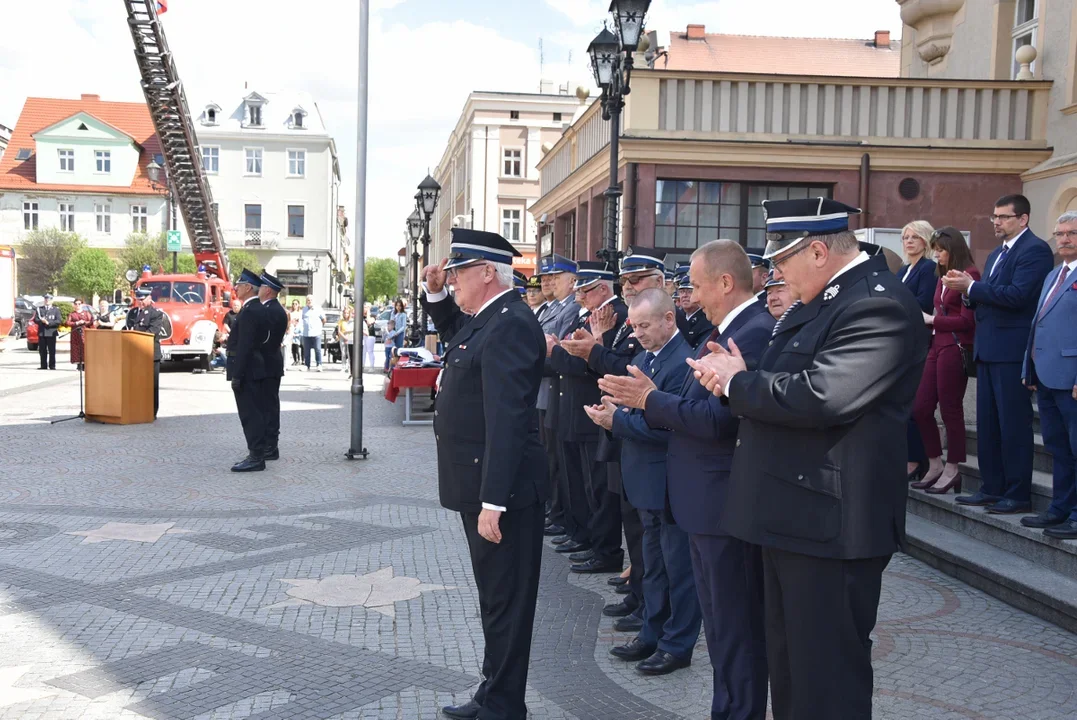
(553, 530)
(467, 711)
(622, 589)
(584, 556)
(249, 465)
(1009, 507)
(618, 610)
(594, 565)
(617, 581)
(633, 651)
(977, 498)
(630, 623)
(1065, 531)
(1043, 520)
(273, 454)
(560, 540)
(662, 663)
(571, 547)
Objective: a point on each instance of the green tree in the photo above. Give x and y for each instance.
(44, 253)
(89, 272)
(141, 249)
(380, 278)
(239, 259)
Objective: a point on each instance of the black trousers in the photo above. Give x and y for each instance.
(549, 442)
(271, 412)
(507, 577)
(633, 528)
(819, 615)
(156, 386)
(251, 416)
(46, 349)
(573, 482)
(729, 582)
(604, 508)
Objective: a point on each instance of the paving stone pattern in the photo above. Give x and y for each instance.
(141, 579)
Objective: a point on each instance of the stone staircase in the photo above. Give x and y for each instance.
(995, 553)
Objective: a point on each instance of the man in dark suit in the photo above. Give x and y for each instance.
(1005, 303)
(275, 318)
(491, 466)
(151, 319)
(246, 371)
(817, 478)
(1050, 369)
(760, 272)
(692, 321)
(48, 321)
(585, 474)
(728, 572)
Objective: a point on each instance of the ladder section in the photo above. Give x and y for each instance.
(172, 120)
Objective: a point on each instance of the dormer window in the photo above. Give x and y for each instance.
(211, 115)
(254, 115)
(297, 119)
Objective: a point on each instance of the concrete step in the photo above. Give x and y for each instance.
(1041, 459)
(1025, 584)
(1041, 483)
(1002, 531)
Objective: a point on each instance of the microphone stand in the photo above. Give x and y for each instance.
(82, 408)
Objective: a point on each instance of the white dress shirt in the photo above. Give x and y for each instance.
(991, 270)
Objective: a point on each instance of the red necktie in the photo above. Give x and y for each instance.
(1058, 288)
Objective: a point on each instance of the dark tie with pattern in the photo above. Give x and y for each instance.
(1058, 287)
(621, 331)
(648, 363)
(1001, 259)
(788, 311)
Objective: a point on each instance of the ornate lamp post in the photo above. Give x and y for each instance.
(426, 201)
(153, 171)
(611, 63)
(415, 231)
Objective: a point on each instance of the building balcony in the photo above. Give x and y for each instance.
(252, 239)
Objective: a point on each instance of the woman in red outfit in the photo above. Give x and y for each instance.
(944, 380)
(79, 319)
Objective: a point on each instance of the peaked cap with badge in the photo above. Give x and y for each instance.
(591, 272)
(271, 282)
(556, 264)
(467, 247)
(645, 260)
(248, 277)
(789, 222)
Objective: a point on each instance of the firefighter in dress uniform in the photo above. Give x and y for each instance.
(151, 319)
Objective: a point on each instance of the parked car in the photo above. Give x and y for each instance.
(330, 342)
(24, 311)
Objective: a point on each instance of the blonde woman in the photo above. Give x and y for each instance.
(918, 275)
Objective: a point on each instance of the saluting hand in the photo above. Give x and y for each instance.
(602, 415)
(715, 370)
(628, 390)
(579, 344)
(434, 276)
(488, 525)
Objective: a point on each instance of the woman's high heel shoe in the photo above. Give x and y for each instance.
(927, 481)
(917, 474)
(954, 484)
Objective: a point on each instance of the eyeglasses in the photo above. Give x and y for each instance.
(778, 263)
(1059, 234)
(585, 290)
(997, 218)
(455, 272)
(636, 278)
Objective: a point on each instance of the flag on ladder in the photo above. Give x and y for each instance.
(162, 7)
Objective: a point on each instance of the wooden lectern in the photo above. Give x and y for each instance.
(119, 376)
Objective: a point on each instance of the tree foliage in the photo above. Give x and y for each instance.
(380, 279)
(44, 253)
(141, 250)
(89, 272)
(239, 259)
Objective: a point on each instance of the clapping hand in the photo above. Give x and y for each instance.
(957, 280)
(715, 370)
(602, 320)
(580, 344)
(551, 343)
(434, 276)
(628, 390)
(601, 415)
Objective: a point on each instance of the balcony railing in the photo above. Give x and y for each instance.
(252, 239)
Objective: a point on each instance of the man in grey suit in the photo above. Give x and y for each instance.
(558, 276)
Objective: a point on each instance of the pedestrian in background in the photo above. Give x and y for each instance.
(945, 379)
(294, 316)
(398, 325)
(346, 336)
(311, 322)
(78, 320)
(368, 339)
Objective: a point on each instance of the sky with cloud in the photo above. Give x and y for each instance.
(425, 57)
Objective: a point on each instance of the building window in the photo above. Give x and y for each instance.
(104, 160)
(211, 160)
(298, 121)
(252, 215)
(510, 225)
(512, 165)
(295, 220)
(557, 117)
(514, 114)
(103, 216)
(211, 116)
(254, 115)
(569, 223)
(67, 160)
(1025, 23)
(297, 163)
(29, 216)
(254, 160)
(139, 218)
(690, 213)
(67, 217)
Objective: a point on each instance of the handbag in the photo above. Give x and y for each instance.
(968, 361)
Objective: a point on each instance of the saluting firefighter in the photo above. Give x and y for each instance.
(818, 477)
(491, 465)
(247, 370)
(276, 322)
(151, 319)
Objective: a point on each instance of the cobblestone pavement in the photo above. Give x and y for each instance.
(140, 578)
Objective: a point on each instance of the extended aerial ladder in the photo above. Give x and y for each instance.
(172, 120)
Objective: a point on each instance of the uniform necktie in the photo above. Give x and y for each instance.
(788, 310)
(1058, 287)
(1001, 259)
(648, 361)
(620, 333)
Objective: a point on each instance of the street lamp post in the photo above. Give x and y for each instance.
(415, 229)
(153, 170)
(426, 201)
(611, 63)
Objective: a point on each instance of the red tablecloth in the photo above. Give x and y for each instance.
(405, 377)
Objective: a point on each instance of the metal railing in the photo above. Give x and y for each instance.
(252, 239)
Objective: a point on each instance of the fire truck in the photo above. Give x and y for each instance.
(195, 305)
(7, 291)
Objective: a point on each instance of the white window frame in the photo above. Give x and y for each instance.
(103, 218)
(512, 218)
(514, 155)
(67, 216)
(31, 215)
(288, 219)
(252, 109)
(300, 162)
(211, 152)
(1028, 30)
(249, 158)
(67, 160)
(102, 162)
(140, 219)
